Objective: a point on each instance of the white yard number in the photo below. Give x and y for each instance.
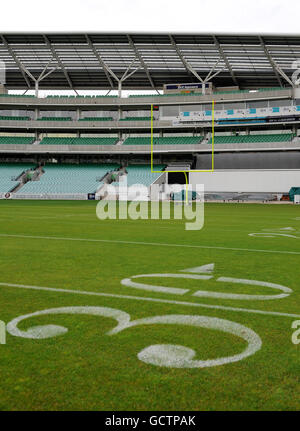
(167, 355)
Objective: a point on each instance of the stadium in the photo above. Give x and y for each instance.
(207, 122)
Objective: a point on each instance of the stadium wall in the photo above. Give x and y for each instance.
(247, 181)
(250, 160)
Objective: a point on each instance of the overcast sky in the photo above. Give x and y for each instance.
(264, 16)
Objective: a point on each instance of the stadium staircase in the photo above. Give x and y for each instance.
(12, 176)
(67, 179)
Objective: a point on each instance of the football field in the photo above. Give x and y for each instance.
(145, 315)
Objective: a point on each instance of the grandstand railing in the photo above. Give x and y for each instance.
(146, 149)
(54, 196)
(146, 100)
(82, 125)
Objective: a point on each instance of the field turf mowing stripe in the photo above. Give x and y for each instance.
(114, 241)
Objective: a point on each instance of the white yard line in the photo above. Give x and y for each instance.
(140, 298)
(157, 244)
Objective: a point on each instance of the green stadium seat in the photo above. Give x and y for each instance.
(55, 119)
(248, 139)
(168, 140)
(78, 141)
(136, 119)
(96, 119)
(68, 179)
(10, 117)
(14, 140)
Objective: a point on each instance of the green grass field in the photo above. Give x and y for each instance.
(60, 245)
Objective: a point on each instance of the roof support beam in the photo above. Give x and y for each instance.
(126, 75)
(26, 72)
(54, 54)
(137, 53)
(187, 65)
(223, 55)
(272, 62)
(42, 76)
(17, 61)
(283, 74)
(209, 76)
(106, 69)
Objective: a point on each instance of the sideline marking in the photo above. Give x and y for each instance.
(159, 244)
(141, 298)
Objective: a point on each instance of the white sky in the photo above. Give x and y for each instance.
(265, 16)
(193, 16)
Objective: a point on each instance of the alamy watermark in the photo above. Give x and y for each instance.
(160, 202)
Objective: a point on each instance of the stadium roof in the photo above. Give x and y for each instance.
(146, 61)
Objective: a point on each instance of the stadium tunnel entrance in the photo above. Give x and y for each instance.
(177, 177)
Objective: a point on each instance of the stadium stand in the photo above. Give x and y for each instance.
(55, 96)
(248, 139)
(136, 119)
(16, 95)
(96, 119)
(115, 128)
(55, 119)
(168, 140)
(68, 179)
(78, 141)
(11, 117)
(13, 140)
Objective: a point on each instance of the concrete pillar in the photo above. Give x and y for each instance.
(36, 85)
(120, 89)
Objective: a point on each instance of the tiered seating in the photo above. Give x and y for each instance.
(96, 119)
(78, 141)
(79, 96)
(55, 119)
(9, 171)
(248, 139)
(13, 140)
(167, 140)
(17, 95)
(68, 179)
(141, 174)
(166, 95)
(200, 94)
(10, 117)
(136, 119)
